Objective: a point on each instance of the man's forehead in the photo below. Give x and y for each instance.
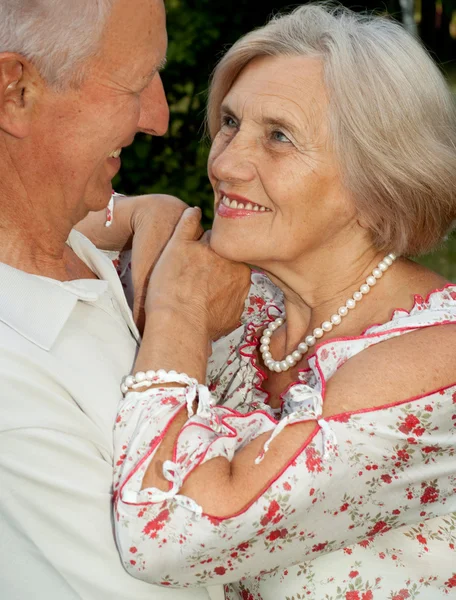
(137, 25)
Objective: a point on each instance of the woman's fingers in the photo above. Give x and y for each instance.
(189, 225)
(200, 232)
(206, 238)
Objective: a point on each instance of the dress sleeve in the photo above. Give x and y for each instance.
(122, 264)
(351, 480)
(263, 297)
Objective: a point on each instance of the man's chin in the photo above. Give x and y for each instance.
(98, 199)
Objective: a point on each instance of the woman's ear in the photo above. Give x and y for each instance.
(362, 222)
(17, 94)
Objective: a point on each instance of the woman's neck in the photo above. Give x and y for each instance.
(315, 287)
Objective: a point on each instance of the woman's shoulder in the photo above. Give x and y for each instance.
(432, 297)
(426, 302)
(401, 369)
(410, 354)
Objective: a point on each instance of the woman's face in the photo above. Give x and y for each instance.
(272, 156)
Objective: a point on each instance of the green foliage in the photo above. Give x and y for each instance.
(199, 33)
(443, 260)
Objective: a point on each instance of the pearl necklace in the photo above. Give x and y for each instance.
(283, 365)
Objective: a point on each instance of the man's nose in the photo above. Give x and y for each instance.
(154, 110)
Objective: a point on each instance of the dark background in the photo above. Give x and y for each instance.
(199, 33)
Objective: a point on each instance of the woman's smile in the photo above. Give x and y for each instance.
(232, 206)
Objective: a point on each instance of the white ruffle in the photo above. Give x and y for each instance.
(303, 403)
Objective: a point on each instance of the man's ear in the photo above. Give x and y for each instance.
(17, 94)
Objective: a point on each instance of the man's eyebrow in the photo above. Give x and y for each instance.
(156, 69)
(162, 64)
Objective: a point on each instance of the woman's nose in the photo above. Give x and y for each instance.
(234, 161)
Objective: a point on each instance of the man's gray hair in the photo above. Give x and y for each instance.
(391, 117)
(57, 36)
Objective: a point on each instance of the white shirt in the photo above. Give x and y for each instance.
(64, 347)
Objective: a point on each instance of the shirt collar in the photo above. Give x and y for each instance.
(38, 307)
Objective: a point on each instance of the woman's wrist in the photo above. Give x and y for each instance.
(174, 340)
(119, 235)
(129, 215)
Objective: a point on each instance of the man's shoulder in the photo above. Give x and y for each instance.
(16, 350)
(30, 396)
(34, 307)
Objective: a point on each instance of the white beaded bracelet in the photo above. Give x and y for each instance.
(194, 390)
(145, 379)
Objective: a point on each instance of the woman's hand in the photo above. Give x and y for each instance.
(194, 297)
(190, 278)
(142, 224)
(153, 222)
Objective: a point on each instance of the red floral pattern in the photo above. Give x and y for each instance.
(371, 488)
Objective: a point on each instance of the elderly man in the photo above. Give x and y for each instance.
(78, 79)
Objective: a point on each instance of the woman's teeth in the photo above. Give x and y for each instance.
(116, 153)
(249, 206)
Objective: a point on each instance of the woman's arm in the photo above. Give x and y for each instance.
(141, 225)
(219, 486)
(157, 212)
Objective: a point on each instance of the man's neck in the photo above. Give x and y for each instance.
(36, 220)
(31, 244)
(63, 265)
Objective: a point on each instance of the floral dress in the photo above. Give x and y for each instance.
(366, 509)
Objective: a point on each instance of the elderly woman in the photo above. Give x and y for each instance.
(320, 435)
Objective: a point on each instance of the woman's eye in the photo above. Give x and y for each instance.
(278, 136)
(228, 121)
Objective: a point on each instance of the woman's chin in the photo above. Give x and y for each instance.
(229, 249)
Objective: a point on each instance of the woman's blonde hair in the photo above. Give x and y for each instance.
(392, 117)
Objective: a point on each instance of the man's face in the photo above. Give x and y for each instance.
(77, 132)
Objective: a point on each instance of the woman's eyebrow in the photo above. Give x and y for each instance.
(225, 108)
(308, 127)
(275, 121)
(281, 123)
